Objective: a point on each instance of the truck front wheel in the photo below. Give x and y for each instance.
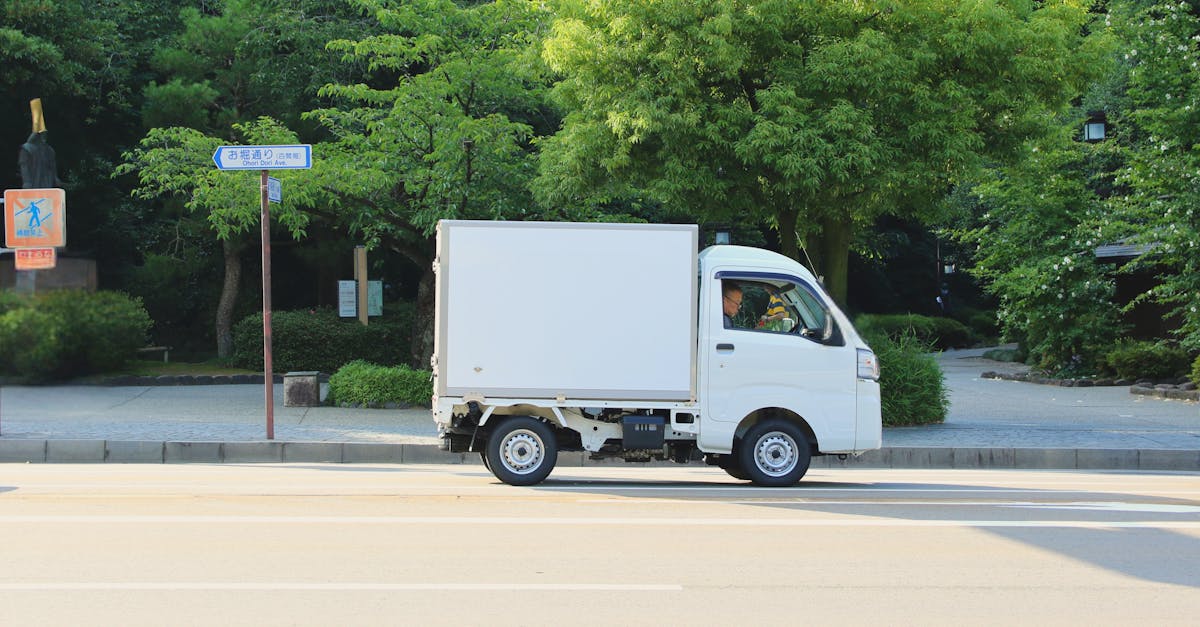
(522, 451)
(774, 453)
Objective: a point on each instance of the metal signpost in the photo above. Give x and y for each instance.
(265, 158)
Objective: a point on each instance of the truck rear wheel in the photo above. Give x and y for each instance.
(522, 451)
(774, 453)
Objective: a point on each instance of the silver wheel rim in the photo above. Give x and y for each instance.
(776, 454)
(522, 451)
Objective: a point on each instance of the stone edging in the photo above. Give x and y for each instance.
(1184, 391)
(1176, 392)
(194, 379)
(172, 452)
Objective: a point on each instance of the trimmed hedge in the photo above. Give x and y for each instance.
(320, 340)
(67, 333)
(939, 333)
(911, 385)
(366, 384)
(1138, 360)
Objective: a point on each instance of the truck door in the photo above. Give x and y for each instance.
(772, 343)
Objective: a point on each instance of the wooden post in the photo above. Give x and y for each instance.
(360, 277)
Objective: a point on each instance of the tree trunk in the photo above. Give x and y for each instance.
(421, 348)
(229, 292)
(835, 256)
(788, 242)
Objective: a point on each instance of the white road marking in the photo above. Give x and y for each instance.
(1157, 508)
(590, 520)
(321, 587)
(144, 489)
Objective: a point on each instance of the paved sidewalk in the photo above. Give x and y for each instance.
(992, 423)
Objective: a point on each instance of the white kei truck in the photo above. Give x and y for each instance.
(621, 341)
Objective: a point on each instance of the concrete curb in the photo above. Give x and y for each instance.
(150, 452)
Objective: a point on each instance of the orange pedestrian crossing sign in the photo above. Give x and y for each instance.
(35, 218)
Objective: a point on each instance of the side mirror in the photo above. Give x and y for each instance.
(827, 332)
(787, 324)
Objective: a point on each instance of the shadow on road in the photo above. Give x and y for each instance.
(1148, 553)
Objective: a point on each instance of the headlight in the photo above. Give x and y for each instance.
(868, 365)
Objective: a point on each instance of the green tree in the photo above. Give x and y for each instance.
(815, 116)
(177, 162)
(1035, 249)
(236, 60)
(1162, 130)
(231, 62)
(442, 130)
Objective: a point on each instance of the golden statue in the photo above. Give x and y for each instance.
(38, 168)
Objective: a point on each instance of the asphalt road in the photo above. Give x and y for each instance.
(373, 545)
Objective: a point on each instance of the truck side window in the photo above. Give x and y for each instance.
(785, 307)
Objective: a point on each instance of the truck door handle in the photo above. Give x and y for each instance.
(724, 347)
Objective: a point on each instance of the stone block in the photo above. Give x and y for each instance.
(301, 389)
(74, 451)
(1106, 459)
(922, 457)
(572, 459)
(879, 458)
(1179, 460)
(371, 453)
(23, 451)
(314, 452)
(1044, 458)
(431, 454)
(984, 458)
(133, 452)
(192, 452)
(252, 452)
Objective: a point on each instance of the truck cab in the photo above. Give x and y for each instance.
(787, 355)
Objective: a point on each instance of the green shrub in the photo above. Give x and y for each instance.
(983, 324)
(363, 383)
(29, 344)
(1196, 371)
(911, 385)
(319, 340)
(1137, 360)
(67, 333)
(940, 333)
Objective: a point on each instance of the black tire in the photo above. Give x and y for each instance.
(522, 451)
(733, 468)
(774, 453)
(483, 456)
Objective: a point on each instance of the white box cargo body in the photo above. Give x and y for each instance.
(620, 340)
(516, 292)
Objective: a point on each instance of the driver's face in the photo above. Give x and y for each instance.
(732, 303)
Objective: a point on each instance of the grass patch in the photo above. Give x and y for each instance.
(156, 368)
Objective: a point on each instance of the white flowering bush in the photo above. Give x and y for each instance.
(1163, 172)
(1035, 250)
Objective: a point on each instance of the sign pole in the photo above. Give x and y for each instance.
(264, 159)
(268, 367)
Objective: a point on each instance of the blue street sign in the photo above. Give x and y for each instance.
(274, 190)
(298, 157)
